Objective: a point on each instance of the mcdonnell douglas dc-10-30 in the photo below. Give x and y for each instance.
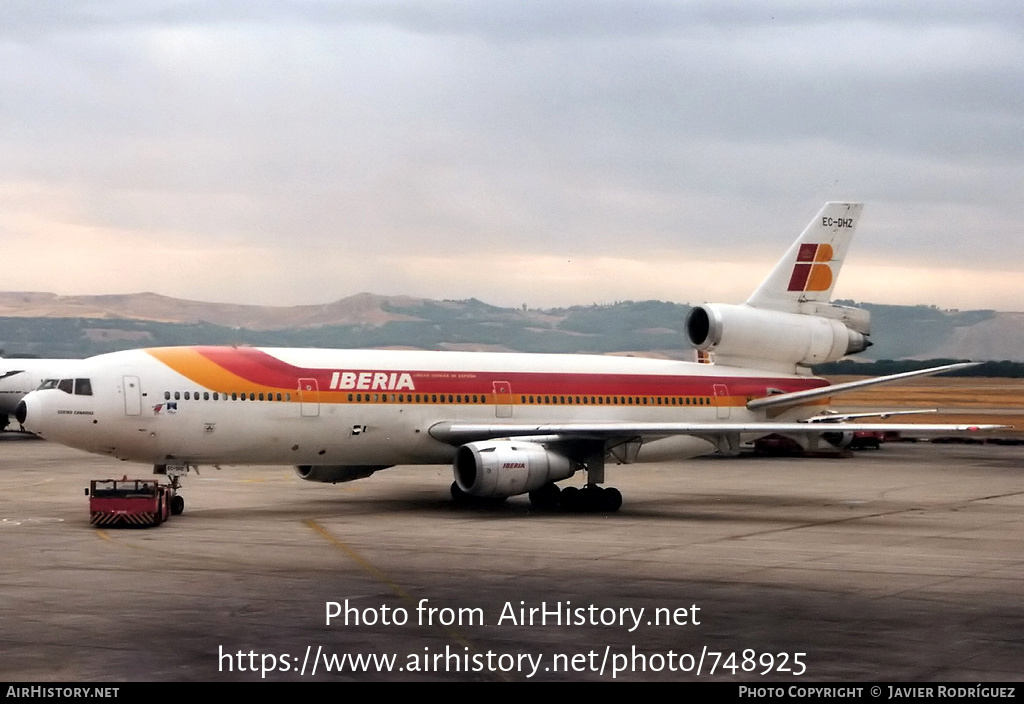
(508, 423)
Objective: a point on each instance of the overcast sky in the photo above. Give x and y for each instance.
(528, 151)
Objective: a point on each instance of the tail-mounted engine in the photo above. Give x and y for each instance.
(499, 468)
(742, 335)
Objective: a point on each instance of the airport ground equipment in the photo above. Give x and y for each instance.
(128, 502)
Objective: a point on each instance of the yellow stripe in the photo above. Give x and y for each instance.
(205, 372)
(382, 577)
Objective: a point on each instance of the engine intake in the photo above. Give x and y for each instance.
(500, 468)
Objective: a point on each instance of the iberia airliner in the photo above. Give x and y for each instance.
(509, 424)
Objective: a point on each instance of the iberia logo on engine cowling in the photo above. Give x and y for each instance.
(811, 271)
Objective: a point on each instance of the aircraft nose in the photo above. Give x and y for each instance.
(27, 413)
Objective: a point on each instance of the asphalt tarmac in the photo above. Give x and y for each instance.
(902, 564)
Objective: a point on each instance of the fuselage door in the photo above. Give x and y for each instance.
(132, 395)
(721, 392)
(502, 399)
(309, 397)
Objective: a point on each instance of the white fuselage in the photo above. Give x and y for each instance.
(196, 405)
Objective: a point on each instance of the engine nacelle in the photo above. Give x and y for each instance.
(497, 468)
(335, 473)
(746, 335)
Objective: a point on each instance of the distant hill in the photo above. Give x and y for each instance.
(361, 309)
(48, 325)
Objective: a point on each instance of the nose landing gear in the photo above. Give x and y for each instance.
(174, 472)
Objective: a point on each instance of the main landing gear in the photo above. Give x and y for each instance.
(550, 497)
(592, 498)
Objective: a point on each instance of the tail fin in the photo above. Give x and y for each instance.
(789, 323)
(808, 271)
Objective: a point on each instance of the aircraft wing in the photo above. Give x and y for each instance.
(456, 433)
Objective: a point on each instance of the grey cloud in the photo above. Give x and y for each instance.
(557, 126)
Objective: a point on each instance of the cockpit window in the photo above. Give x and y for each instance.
(78, 387)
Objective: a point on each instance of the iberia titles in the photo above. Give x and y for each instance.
(372, 381)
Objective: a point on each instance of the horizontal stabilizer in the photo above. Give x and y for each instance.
(799, 397)
(835, 417)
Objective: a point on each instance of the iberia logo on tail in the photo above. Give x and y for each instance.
(811, 271)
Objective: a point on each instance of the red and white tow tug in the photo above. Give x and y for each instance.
(128, 502)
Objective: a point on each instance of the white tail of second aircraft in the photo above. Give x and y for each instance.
(789, 323)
